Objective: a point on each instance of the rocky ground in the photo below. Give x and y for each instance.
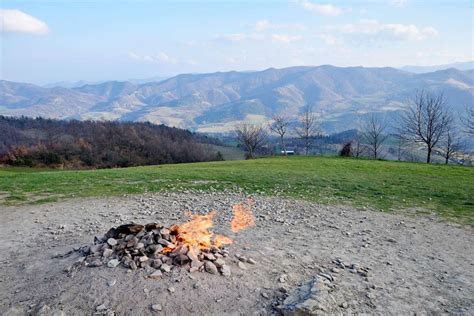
(325, 259)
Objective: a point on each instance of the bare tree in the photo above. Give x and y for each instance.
(308, 127)
(280, 126)
(426, 120)
(251, 137)
(373, 134)
(450, 143)
(468, 120)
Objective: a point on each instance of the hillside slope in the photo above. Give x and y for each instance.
(215, 101)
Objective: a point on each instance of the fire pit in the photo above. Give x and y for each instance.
(159, 249)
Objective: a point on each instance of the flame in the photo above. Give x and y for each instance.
(196, 233)
(243, 216)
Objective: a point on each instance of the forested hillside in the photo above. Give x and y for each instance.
(94, 144)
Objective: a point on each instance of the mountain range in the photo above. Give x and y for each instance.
(214, 102)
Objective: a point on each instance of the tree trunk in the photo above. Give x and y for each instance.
(282, 143)
(447, 159)
(428, 156)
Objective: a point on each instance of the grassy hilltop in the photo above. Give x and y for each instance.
(384, 185)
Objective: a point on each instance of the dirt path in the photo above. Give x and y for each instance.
(415, 264)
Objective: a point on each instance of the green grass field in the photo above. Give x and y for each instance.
(384, 185)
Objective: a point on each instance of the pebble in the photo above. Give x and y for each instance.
(156, 275)
(242, 265)
(210, 267)
(112, 241)
(171, 289)
(165, 268)
(225, 270)
(111, 282)
(251, 261)
(156, 307)
(113, 263)
(101, 307)
(265, 295)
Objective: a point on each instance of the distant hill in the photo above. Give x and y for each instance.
(75, 144)
(214, 102)
(468, 65)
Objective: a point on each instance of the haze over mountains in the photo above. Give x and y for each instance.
(214, 102)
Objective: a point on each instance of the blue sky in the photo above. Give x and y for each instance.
(70, 40)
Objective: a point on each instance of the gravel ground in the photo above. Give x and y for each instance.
(410, 263)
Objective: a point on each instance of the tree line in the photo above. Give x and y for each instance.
(426, 121)
(98, 144)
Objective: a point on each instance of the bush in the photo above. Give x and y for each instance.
(346, 150)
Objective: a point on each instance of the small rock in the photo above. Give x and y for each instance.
(111, 282)
(113, 263)
(101, 307)
(251, 261)
(112, 241)
(225, 270)
(156, 275)
(242, 265)
(282, 278)
(107, 253)
(219, 263)
(265, 295)
(171, 289)
(165, 268)
(210, 267)
(344, 305)
(156, 307)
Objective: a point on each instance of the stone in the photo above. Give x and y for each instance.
(101, 307)
(251, 261)
(112, 241)
(166, 243)
(209, 256)
(156, 263)
(94, 263)
(242, 265)
(113, 263)
(107, 253)
(219, 263)
(210, 267)
(282, 278)
(265, 295)
(156, 275)
(111, 282)
(225, 270)
(156, 307)
(165, 268)
(143, 259)
(133, 265)
(193, 254)
(312, 298)
(171, 289)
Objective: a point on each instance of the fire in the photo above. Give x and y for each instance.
(196, 233)
(243, 216)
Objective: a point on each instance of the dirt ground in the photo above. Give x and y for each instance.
(415, 263)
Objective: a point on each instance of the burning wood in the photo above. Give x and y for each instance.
(192, 245)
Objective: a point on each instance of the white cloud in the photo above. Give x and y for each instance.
(323, 9)
(19, 22)
(283, 38)
(264, 25)
(160, 58)
(407, 32)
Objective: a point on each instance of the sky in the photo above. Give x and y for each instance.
(47, 41)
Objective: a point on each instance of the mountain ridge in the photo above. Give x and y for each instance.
(214, 102)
